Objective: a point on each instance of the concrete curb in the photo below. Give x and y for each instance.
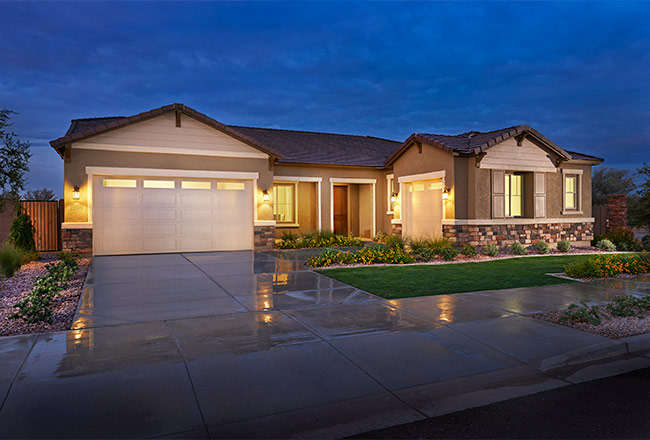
(600, 351)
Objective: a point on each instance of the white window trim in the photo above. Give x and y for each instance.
(295, 223)
(343, 180)
(578, 175)
(318, 181)
(390, 178)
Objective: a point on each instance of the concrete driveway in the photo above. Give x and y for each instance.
(243, 344)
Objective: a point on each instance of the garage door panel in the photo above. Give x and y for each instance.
(150, 218)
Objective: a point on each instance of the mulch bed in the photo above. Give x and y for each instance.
(614, 328)
(15, 288)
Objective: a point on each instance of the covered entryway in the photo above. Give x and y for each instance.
(424, 208)
(136, 215)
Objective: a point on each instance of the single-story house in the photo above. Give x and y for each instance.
(173, 179)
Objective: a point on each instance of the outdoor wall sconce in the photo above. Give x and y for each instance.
(393, 197)
(265, 196)
(75, 193)
(445, 193)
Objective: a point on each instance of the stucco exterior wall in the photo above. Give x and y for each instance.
(75, 173)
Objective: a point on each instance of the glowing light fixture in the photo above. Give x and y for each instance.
(75, 193)
(265, 196)
(393, 198)
(445, 193)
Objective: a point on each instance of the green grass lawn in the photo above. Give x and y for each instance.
(406, 281)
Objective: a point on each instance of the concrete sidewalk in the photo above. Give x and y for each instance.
(252, 345)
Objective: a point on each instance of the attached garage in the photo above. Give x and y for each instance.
(139, 214)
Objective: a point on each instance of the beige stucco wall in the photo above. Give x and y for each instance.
(429, 160)
(326, 172)
(75, 173)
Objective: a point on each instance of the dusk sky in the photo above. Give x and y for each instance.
(578, 72)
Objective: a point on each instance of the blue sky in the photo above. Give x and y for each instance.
(579, 72)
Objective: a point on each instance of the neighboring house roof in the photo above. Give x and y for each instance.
(324, 148)
(84, 128)
(476, 142)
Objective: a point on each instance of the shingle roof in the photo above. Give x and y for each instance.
(78, 125)
(324, 148)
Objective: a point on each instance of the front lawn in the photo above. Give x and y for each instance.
(393, 282)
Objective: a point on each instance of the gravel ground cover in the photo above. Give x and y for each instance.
(15, 288)
(613, 327)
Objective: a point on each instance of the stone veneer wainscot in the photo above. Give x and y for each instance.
(77, 240)
(503, 235)
(264, 238)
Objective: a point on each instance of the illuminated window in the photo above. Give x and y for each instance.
(285, 206)
(514, 186)
(164, 184)
(191, 184)
(119, 183)
(571, 192)
(416, 187)
(392, 200)
(239, 186)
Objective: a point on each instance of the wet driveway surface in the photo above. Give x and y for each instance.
(242, 344)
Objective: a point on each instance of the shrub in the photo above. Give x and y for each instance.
(380, 237)
(417, 243)
(629, 305)
(316, 239)
(22, 231)
(519, 249)
(623, 238)
(491, 250)
(587, 314)
(469, 250)
(606, 245)
(37, 305)
(394, 241)
(645, 241)
(609, 265)
(10, 259)
(367, 255)
(423, 254)
(597, 238)
(564, 245)
(542, 247)
(448, 253)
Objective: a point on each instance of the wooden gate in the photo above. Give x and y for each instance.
(47, 221)
(600, 219)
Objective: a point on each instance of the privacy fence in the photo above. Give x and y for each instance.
(46, 216)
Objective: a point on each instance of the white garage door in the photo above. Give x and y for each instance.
(136, 215)
(424, 208)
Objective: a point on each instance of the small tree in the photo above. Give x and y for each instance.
(14, 160)
(40, 194)
(639, 207)
(606, 181)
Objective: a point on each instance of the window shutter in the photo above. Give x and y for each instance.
(498, 194)
(540, 195)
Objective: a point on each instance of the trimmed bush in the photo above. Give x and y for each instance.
(469, 250)
(624, 239)
(448, 253)
(491, 250)
(542, 247)
(10, 259)
(519, 249)
(645, 241)
(316, 239)
(609, 265)
(22, 231)
(564, 245)
(606, 245)
(367, 255)
(394, 241)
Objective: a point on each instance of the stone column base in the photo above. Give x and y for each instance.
(396, 229)
(77, 240)
(504, 235)
(264, 238)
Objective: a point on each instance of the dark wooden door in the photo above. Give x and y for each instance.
(340, 209)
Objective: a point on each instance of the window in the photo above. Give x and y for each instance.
(514, 186)
(237, 186)
(165, 184)
(392, 200)
(119, 183)
(189, 184)
(571, 192)
(285, 206)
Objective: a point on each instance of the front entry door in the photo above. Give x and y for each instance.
(340, 209)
